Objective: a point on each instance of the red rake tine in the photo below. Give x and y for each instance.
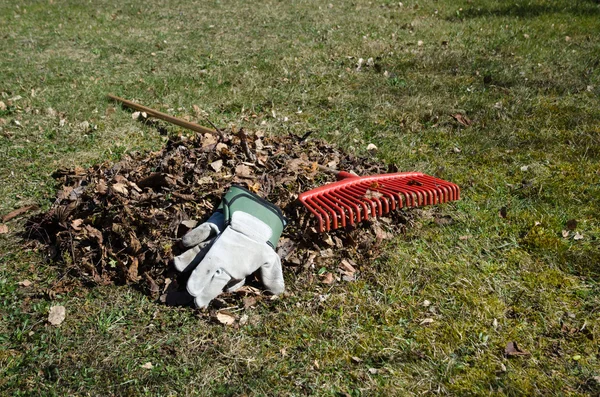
(349, 200)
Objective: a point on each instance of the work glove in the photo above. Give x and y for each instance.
(253, 228)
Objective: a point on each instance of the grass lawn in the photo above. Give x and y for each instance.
(507, 269)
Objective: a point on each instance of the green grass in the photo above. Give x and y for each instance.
(526, 73)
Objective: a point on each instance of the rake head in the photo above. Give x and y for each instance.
(354, 199)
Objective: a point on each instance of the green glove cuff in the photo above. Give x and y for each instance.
(239, 198)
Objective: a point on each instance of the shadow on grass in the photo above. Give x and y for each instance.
(532, 10)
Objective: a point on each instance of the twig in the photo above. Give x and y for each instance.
(244, 142)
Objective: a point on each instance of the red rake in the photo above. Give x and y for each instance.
(353, 199)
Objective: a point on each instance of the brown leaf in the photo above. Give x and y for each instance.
(328, 278)
(134, 244)
(132, 272)
(243, 171)
(17, 212)
(225, 318)
(3, 229)
(217, 165)
(57, 315)
(154, 289)
(571, 224)
(347, 266)
(148, 365)
(249, 301)
(426, 321)
(253, 187)
(25, 283)
(101, 187)
(462, 119)
(513, 350)
(371, 194)
(76, 224)
(120, 188)
(94, 233)
(208, 140)
(380, 232)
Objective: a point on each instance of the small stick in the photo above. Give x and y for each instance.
(164, 116)
(245, 146)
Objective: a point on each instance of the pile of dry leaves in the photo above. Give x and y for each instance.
(121, 223)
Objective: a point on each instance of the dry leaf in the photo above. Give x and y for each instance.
(253, 187)
(243, 171)
(565, 234)
(76, 224)
(57, 315)
(462, 119)
(513, 350)
(356, 359)
(120, 188)
(217, 165)
(328, 278)
(101, 187)
(347, 266)
(2, 105)
(190, 224)
(25, 283)
(205, 180)
(426, 303)
(371, 194)
(578, 236)
(17, 212)
(371, 147)
(135, 115)
(426, 321)
(328, 253)
(208, 139)
(466, 237)
(3, 229)
(571, 224)
(249, 301)
(225, 318)
(148, 365)
(132, 272)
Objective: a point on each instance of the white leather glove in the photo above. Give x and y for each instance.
(197, 239)
(235, 254)
(237, 240)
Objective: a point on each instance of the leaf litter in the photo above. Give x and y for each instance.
(121, 223)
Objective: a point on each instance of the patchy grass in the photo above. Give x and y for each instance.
(526, 74)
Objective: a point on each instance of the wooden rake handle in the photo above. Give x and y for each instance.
(163, 116)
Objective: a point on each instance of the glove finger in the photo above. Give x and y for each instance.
(205, 286)
(197, 235)
(272, 275)
(190, 258)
